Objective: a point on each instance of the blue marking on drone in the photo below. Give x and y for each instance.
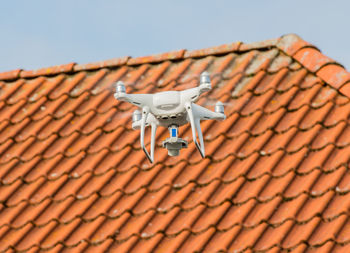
(173, 132)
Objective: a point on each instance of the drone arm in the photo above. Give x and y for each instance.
(204, 113)
(195, 125)
(145, 112)
(139, 100)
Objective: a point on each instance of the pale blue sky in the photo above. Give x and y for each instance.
(36, 33)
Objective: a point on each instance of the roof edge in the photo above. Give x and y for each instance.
(311, 58)
(127, 60)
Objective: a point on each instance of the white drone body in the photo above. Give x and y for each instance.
(171, 109)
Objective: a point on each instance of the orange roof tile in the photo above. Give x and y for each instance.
(276, 175)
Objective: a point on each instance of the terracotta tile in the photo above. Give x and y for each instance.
(19, 171)
(100, 247)
(311, 80)
(293, 79)
(261, 213)
(48, 109)
(345, 89)
(23, 193)
(223, 49)
(339, 113)
(239, 125)
(108, 81)
(304, 97)
(343, 234)
(156, 58)
(171, 244)
(247, 84)
(337, 206)
(246, 239)
(220, 64)
(334, 75)
(314, 207)
(255, 145)
(69, 105)
(261, 61)
(52, 213)
(276, 187)
(277, 142)
(15, 150)
(8, 89)
(290, 119)
(58, 233)
(258, 45)
(25, 90)
(37, 148)
(325, 94)
(281, 61)
(13, 236)
(316, 116)
(147, 245)
(45, 89)
(48, 71)
(301, 184)
(327, 247)
(326, 136)
(299, 233)
(174, 72)
(8, 111)
(264, 165)
(250, 190)
(238, 168)
(341, 247)
(291, 43)
(327, 230)
(8, 215)
(125, 246)
(134, 226)
(152, 76)
(101, 64)
(256, 104)
(28, 109)
(66, 86)
(272, 236)
(221, 240)
(32, 129)
(190, 77)
(196, 242)
(32, 212)
(60, 145)
(83, 230)
(9, 75)
(312, 59)
(92, 103)
(314, 160)
(6, 144)
(302, 139)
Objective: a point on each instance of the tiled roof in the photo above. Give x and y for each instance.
(276, 175)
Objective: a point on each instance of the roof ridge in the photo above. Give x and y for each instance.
(308, 55)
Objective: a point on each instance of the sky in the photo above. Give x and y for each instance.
(36, 33)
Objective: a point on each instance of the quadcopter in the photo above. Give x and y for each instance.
(171, 109)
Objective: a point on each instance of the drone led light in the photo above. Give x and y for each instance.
(171, 109)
